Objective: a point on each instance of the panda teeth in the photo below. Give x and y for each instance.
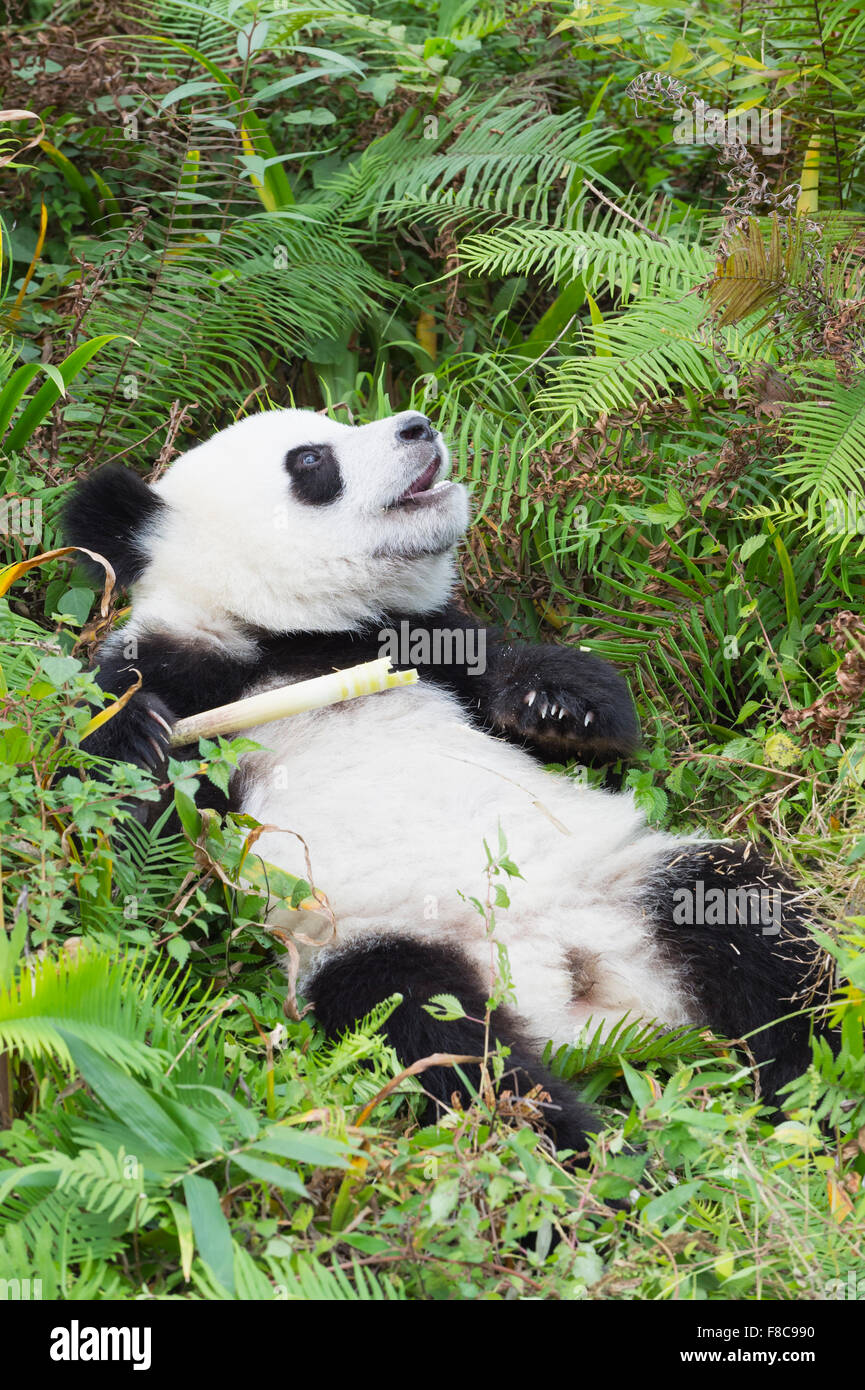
(422, 486)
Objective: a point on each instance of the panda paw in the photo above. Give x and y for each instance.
(140, 733)
(568, 702)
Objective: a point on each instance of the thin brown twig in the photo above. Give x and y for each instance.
(621, 213)
(435, 1059)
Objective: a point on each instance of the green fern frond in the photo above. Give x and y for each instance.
(650, 352)
(362, 1042)
(635, 1040)
(206, 315)
(90, 996)
(622, 259)
(104, 1182)
(53, 1229)
(827, 444)
(491, 156)
(310, 1280)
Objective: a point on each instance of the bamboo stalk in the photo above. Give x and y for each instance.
(366, 679)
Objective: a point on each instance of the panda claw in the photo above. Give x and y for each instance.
(553, 709)
(542, 709)
(160, 752)
(160, 721)
(530, 698)
(562, 713)
(589, 719)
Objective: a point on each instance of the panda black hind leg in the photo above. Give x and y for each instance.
(736, 929)
(349, 982)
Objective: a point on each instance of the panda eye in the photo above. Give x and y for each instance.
(315, 474)
(305, 457)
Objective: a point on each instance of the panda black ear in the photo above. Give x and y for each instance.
(111, 512)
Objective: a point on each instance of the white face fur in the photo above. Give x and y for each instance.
(290, 521)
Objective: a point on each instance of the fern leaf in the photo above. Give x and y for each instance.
(827, 456)
(622, 259)
(89, 996)
(757, 270)
(654, 350)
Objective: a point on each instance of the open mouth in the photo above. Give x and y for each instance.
(423, 486)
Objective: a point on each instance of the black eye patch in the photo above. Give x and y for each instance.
(314, 473)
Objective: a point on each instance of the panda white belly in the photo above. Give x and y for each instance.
(395, 794)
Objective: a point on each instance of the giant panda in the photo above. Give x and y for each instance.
(290, 545)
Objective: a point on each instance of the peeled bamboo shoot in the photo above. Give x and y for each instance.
(285, 700)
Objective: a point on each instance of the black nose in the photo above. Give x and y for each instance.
(415, 429)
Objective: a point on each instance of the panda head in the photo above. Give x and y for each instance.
(286, 521)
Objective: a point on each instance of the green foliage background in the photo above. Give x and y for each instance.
(647, 352)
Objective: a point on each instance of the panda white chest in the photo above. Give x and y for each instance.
(398, 792)
(395, 796)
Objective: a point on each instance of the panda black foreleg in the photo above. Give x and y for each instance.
(565, 702)
(561, 701)
(350, 982)
(179, 678)
(735, 928)
(139, 733)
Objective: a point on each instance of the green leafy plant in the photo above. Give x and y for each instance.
(644, 345)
